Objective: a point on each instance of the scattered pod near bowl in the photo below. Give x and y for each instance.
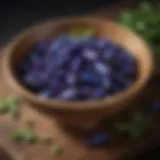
(98, 139)
(79, 114)
(155, 106)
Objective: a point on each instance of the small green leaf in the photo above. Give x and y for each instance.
(13, 110)
(145, 21)
(3, 107)
(12, 104)
(135, 133)
(126, 18)
(137, 117)
(47, 140)
(140, 25)
(56, 150)
(142, 120)
(147, 122)
(13, 100)
(16, 137)
(122, 127)
(30, 136)
(27, 136)
(146, 6)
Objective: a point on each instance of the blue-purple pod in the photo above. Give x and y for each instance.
(103, 43)
(155, 106)
(71, 78)
(98, 139)
(108, 54)
(58, 43)
(38, 63)
(91, 78)
(101, 68)
(76, 64)
(98, 93)
(68, 94)
(84, 92)
(34, 78)
(45, 93)
(42, 47)
(90, 54)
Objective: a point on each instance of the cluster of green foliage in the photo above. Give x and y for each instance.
(145, 21)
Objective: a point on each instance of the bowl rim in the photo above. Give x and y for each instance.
(74, 105)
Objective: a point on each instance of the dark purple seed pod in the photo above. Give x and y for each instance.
(117, 83)
(91, 78)
(71, 78)
(33, 56)
(34, 78)
(51, 66)
(68, 94)
(124, 61)
(63, 56)
(38, 63)
(56, 89)
(76, 63)
(76, 50)
(46, 93)
(25, 67)
(101, 68)
(98, 139)
(98, 93)
(42, 47)
(108, 54)
(155, 106)
(85, 92)
(90, 54)
(106, 81)
(54, 46)
(103, 43)
(124, 56)
(86, 66)
(115, 52)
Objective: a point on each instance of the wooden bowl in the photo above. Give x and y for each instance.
(80, 114)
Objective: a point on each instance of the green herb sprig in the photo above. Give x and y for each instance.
(145, 21)
(10, 105)
(56, 150)
(26, 136)
(136, 126)
(29, 136)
